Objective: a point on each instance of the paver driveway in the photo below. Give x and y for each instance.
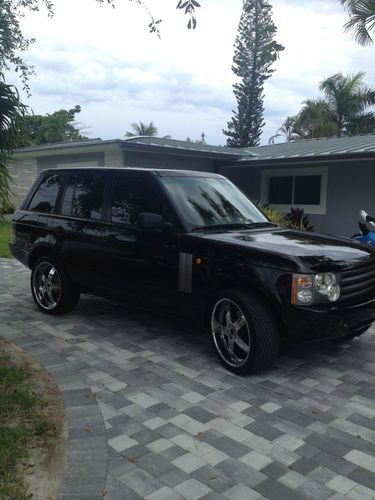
(168, 422)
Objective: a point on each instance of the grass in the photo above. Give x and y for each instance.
(19, 426)
(4, 239)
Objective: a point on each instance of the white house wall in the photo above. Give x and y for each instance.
(23, 173)
(350, 188)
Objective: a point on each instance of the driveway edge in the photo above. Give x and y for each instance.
(87, 447)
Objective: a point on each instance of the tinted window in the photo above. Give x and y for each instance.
(307, 190)
(84, 197)
(280, 190)
(206, 201)
(44, 199)
(132, 196)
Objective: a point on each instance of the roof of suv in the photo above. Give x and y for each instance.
(157, 171)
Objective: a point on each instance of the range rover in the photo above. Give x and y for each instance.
(194, 244)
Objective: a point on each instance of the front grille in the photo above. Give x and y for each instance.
(358, 284)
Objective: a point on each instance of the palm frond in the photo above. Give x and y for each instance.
(12, 114)
(362, 19)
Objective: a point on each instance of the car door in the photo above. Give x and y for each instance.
(139, 262)
(78, 228)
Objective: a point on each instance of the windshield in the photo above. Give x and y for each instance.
(210, 201)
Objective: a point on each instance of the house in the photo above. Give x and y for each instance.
(133, 152)
(331, 178)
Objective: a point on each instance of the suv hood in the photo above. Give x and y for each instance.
(311, 251)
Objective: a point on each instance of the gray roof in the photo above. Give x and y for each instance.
(186, 146)
(310, 148)
(149, 143)
(69, 144)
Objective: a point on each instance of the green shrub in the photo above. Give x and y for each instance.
(295, 219)
(7, 208)
(273, 215)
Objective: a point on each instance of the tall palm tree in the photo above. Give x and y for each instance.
(349, 99)
(12, 113)
(142, 129)
(361, 20)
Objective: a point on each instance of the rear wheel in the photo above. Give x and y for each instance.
(244, 332)
(51, 287)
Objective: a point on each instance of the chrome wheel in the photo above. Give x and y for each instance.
(231, 333)
(46, 285)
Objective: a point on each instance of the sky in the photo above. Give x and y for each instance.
(106, 61)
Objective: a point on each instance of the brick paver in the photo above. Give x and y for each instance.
(152, 414)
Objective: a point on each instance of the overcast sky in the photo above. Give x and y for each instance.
(105, 60)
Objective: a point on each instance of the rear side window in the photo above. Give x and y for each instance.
(44, 199)
(84, 197)
(132, 196)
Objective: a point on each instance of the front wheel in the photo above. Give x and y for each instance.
(244, 332)
(51, 287)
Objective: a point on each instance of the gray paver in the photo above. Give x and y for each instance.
(152, 414)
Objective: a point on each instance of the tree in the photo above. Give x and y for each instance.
(12, 113)
(343, 110)
(255, 52)
(349, 98)
(14, 42)
(142, 129)
(316, 119)
(288, 130)
(361, 19)
(59, 126)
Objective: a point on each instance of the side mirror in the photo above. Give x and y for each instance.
(150, 221)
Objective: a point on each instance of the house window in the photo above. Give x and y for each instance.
(303, 188)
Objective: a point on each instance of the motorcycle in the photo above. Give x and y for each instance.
(367, 228)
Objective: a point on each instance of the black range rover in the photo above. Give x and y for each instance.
(194, 242)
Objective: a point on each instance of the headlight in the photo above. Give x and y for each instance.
(308, 288)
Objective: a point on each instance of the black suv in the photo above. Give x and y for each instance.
(194, 242)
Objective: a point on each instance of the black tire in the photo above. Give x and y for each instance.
(62, 295)
(259, 326)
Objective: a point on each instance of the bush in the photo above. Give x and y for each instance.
(295, 219)
(273, 215)
(7, 208)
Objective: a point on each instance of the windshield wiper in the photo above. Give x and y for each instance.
(234, 225)
(261, 224)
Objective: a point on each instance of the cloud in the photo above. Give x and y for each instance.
(105, 60)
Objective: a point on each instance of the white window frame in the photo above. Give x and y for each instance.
(297, 172)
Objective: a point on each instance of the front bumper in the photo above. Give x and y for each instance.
(314, 324)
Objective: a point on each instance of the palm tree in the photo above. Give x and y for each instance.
(287, 130)
(316, 119)
(361, 20)
(142, 129)
(349, 98)
(12, 113)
